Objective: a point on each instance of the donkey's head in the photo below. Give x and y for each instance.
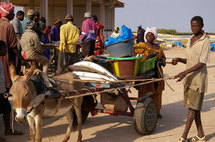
(21, 92)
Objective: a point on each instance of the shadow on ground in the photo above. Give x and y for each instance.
(171, 119)
(121, 124)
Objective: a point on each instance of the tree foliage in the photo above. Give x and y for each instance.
(168, 31)
(174, 32)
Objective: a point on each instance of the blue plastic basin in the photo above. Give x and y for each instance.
(121, 49)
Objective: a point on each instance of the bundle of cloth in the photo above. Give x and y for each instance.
(126, 33)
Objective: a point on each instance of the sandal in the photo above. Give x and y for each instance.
(182, 140)
(198, 139)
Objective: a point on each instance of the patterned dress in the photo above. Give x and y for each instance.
(98, 45)
(157, 87)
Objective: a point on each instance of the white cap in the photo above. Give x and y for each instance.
(87, 14)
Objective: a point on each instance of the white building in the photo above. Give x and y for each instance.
(57, 9)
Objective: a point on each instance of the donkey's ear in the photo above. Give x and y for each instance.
(12, 71)
(30, 71)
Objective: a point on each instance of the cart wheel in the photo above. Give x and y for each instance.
(145, 116)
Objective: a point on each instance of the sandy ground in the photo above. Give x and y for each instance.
(106, 128)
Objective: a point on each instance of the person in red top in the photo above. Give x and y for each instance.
(99, 44)
(46, 38)
(8, 36)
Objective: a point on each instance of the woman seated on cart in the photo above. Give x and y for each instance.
(146, 49)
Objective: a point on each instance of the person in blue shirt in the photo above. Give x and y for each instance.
(55, 31)
(29, 18)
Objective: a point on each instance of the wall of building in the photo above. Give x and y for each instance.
(60, 13)
(58, 10)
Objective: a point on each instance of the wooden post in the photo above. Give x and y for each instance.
(52, 12)
(102, 12)
(70, 7)
(113, 17)
(31, 4)
(88, 5)
(44, 10)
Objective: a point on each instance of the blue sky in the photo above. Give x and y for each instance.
(169, 14)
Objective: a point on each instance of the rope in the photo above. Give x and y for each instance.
(103, 81)
(108, 90)
(163, 77)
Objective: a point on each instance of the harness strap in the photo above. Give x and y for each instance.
(30, 110)
(59, 101)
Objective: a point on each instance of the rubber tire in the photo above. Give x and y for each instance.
(140, 116)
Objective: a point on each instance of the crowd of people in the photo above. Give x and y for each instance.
(20, 41)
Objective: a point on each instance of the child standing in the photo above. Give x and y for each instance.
(195, 77)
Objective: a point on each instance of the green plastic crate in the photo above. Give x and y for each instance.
(147, 65)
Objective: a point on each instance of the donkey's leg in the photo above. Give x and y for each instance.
(77, 106)
(31, 123)
(69, 116)
(38, 123)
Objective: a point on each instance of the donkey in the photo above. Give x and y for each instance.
(22, 94)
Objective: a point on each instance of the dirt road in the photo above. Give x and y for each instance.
(105, 128)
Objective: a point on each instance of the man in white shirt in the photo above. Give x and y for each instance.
(17, 25)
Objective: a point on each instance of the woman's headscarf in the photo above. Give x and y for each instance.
(30, 12)
(55, 22)
(6, 8)
(151, 30)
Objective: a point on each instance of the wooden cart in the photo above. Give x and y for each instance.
(144, 112)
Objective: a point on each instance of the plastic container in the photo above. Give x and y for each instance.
(147, 65)
(106, 65)
(103, 61)
(121, 49)
(125, 67)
